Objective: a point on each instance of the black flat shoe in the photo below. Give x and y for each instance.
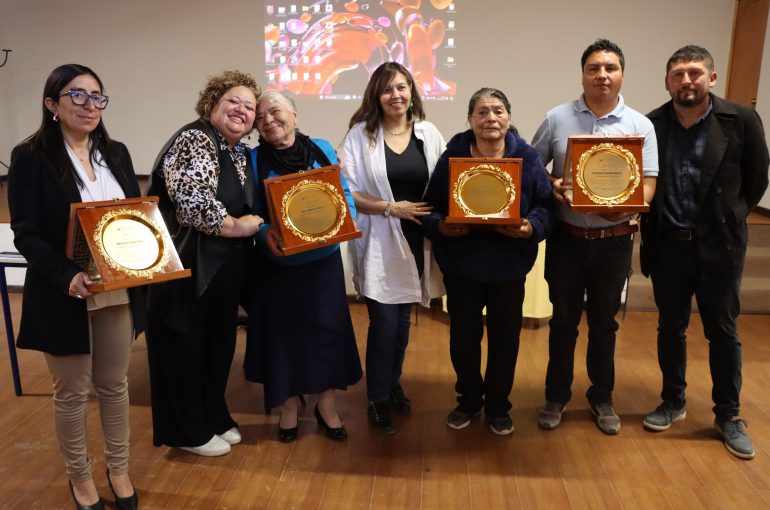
(380, 418)
(129, 503)
(399, 402)
(99, 505)
(338, 434)
(288, 435)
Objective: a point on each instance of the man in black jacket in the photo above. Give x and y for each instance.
(713, 171)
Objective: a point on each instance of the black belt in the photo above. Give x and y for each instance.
(621, 229)
(678, 234)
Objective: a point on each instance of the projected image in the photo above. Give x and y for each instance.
(330, 48)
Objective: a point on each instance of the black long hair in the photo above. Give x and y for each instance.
(48, 141)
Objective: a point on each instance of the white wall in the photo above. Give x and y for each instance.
(154, 56)
(763, 102)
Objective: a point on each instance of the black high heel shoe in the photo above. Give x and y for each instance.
(99, 505)
(129, 503)
(337, 434)
(288, 435)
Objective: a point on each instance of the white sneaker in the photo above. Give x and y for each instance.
(232, 436)
(215, 447)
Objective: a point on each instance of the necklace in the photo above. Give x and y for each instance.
(78, 154)
(394, 133)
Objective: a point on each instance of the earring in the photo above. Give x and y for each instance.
(55, 118)
(411, 104)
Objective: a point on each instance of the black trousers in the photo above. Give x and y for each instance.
(465, 302)
(189, 371)
(578, 271)
(675, 279)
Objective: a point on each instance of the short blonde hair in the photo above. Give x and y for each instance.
(217, 86)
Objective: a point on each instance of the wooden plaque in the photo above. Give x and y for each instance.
(484, 190)
(122, 243)
(605, 173)
(309, 209)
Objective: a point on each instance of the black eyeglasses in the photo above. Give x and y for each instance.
(80, 98)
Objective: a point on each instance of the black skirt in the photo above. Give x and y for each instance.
(300, 338)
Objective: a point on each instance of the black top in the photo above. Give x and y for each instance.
(686, 147)
(408, 175)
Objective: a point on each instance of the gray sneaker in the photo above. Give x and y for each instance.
(459, 419)
(663, 416)
(606, 419)
(550, 415)
(501, 425)
(737, 441)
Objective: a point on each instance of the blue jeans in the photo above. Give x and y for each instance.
(576, 267)
(385, 347)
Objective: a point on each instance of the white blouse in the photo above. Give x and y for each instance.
(104, 187)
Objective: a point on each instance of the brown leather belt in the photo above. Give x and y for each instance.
(621, 229)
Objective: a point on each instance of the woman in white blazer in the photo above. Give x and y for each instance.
(388, 156)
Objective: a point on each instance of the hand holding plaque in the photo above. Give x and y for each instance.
(122, 243)
(309, 209)
(604, 174)
(484, 190)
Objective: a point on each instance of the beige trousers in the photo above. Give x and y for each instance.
(111, 331)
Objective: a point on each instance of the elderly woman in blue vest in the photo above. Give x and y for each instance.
(300, 338)
(389, 154)
(203, 178)
(487, 267)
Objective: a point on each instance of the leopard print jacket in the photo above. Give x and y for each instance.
(191, 171)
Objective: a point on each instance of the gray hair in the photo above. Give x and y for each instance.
(278, 97)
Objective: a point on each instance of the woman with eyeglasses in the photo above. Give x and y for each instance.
(86, 337)
(203, 178)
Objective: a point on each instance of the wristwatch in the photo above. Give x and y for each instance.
(386, 212)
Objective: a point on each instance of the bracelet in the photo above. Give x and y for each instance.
(386, 212)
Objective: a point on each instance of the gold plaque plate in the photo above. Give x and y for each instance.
(313, 210)
(603, 173)
(309, 209)
(131, 242)
(484, 190)
(608, 174)
(122, 243)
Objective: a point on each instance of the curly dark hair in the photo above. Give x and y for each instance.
(218, 85)
(603, 45)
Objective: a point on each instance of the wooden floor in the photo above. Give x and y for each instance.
(425, 465)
